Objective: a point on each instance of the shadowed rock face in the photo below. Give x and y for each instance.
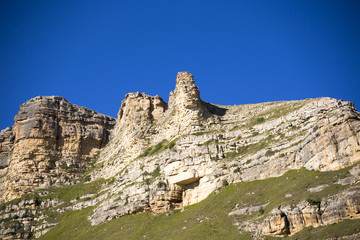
(54, 140)
(6, 140)
(6, 144)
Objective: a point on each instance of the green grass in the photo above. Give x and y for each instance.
(248, 149)
(154, 174)
(271, 114)
(209, 219)
(159, 147)
(75, 191)
(63, 193)
(202, 133)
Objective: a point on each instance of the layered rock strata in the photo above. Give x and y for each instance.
(7, 139)
(53, 144)
(290, 219)
(163, 156)
(192, 147)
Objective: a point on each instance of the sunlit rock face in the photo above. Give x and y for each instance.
(159, 156)
(54, 141)
(185, 103)
(168, 156)
(293, 218)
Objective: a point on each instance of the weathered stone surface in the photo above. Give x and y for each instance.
(24, 219)
(185, 103)
(187, 140)
(290, 219)
(318, 188)
(162, 157)
(7, 139)
(54, 141)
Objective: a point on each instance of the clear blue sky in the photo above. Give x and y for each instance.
(94, 52)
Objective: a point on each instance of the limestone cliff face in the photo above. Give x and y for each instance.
(144, 120)
(185, 105)
(54, 141)
(163, 156)
(189, 148)
(290, 219)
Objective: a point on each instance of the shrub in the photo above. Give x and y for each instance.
(160, 146)
(171, 145)
(198, 133)
(64, 166)
(261, 210)
(161, 184)
(248, 161)
(269, 153)
(231, 154)
(314, 202)
(234, 128)
(225, 183)
(243, 149)
(255, 134)
(260, 120)
(87, 178)
(156, 172)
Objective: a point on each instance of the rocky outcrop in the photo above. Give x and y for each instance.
(25, 218)
(6, 141)
(290, 219)
(54, 143)
(185, 105)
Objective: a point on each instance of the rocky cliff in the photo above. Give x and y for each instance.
(192, 147)
(7, 139)
(161, 157)
(51, 143)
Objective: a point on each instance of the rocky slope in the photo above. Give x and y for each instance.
(192, 147)
(166, 156)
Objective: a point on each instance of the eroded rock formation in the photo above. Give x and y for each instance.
(54, 142)
(290, 219)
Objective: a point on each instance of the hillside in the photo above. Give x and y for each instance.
(189, 169)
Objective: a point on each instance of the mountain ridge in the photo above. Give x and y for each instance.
(160, 157)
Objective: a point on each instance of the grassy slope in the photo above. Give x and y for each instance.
(209, 219)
